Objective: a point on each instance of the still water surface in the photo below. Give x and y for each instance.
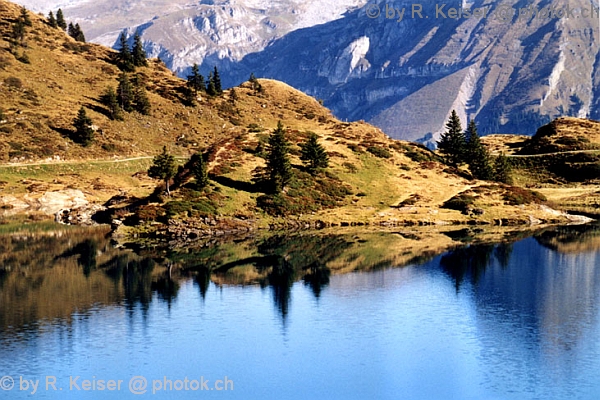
(518, 320)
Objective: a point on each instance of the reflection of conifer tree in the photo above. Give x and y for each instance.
(502, 252)
(166, 288)
(317, 278)
(137, 283)
(87, 256)
(467, 261)
(203, 280)
(282, 278)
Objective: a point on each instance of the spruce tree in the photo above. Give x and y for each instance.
(313, 154)
(111, 101)
(18, 33)
(25, 17)
(279, 168)
(79, 36)
(195, 81)
(217, 82)
(163, 167)
(452, 142)
(71, 30)
(210, 85)
(125, 58)
(60, 20)
(477, 157)
(84, 134)
(51, 20)
(138, 52)
(142, 103)
(233, 96)
(502, 170)
(200, 171)
(125, 92)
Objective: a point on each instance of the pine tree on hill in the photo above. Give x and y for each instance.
(125, 92)
(502, 170)
(60, 20)
(84, 134)
(18, 33)
(138, 52)
(452, 142)
(163, 167)
(200, 171)
(478, 157)
(125, 58)
(142, 103)
(210, 85)
(111, 101)
(79, 36)
(279, 168)
(217, 82)
(25, 17)
(195, 81)
(51, 20)
(313, 154)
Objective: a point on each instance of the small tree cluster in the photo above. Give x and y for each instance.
(256, 86)
(163, 167)
(129, 96)
(84, 133)
(130, 58)
(313, 154)
(75, 32)
(466, 147)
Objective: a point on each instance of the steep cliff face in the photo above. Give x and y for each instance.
(510, 72)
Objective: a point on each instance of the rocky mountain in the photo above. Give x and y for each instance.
(182, 32)
(401, 66)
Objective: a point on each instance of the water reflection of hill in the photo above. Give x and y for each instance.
(54, 273)
(536, 301)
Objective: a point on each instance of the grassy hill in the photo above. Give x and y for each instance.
(372, 179)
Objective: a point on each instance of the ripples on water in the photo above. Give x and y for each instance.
(509, 321)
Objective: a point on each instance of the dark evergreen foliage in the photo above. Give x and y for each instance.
(163, 167)
(279, 168)
(138, 53)
(25, 17)
(125, 58)
(313, 154)
(84, 134)
(502, 170)
(125, 92)
(60, 20)
(51, 20)
(200, 171)
(111, 101)
(195, 81)
(217, 82)
(452, 142)
(477, 155)
(211, 90)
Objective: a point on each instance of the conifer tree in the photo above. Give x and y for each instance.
(125, 57)
(79, 36)
(60, 20)
(111, 101)
(18, 32)
(25, 17)
(138, 52)
(478, 157)
(279, 168)
(125, 92)
(200, 171)
(210, 85)
(217, 82)
(71, 30)
(163, 167)
(452, 142)
(256, 86)
(313, 154)
(195, 81)
(84, 134)
(502, 170)
(51, 20)
(233, 96)
(142, 103)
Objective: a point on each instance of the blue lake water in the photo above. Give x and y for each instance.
(510, 321)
